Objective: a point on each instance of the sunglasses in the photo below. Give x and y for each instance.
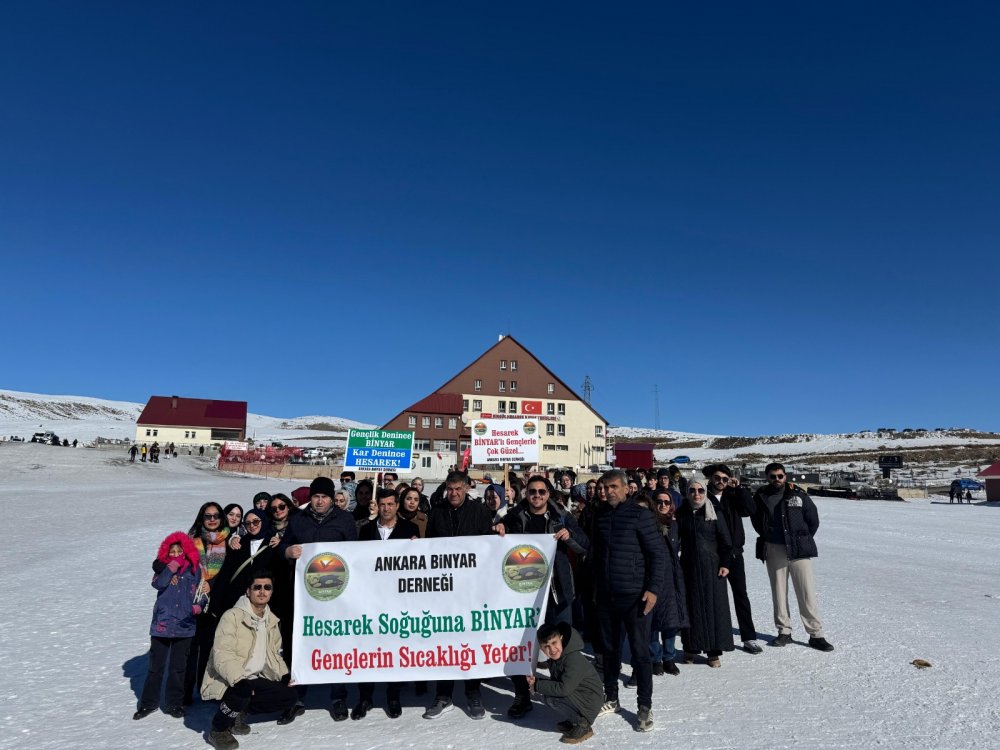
(696, 491)
(664, 503)
(538, 492)
(211, 516)
(261, 587)
(721, 478)
(775, 476)
(254, 522)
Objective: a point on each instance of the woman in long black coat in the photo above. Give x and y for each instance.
(254, 554)
(706, 547)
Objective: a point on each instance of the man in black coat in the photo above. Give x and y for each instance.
(786, 520)
(458, 515)
(628, 562)
(539, 514)
(734, 503)
(389, 525)
(320, 521)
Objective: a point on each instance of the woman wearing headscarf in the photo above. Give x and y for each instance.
(209, 533)
(705, 553)
(367, 506)
(409, 509)
(253, 555)
(281, 509)
(495, 498)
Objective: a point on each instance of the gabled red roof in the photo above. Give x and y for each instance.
(439, 403)
(990, 471)
(194, 412)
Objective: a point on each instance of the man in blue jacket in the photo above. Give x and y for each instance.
(628, 560)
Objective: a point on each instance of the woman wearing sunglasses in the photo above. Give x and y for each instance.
(706, 547)
(209, 532)
(253, 555)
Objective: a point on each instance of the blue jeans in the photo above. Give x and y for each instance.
(666, 651)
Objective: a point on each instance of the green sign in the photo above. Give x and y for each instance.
(379, 450)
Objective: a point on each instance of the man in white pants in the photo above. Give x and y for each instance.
(786, 520)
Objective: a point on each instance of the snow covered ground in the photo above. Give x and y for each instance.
(897, 581)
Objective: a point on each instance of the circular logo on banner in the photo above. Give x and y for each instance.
(326, 577)
(479, 428)
(529, 428)
(524, 569)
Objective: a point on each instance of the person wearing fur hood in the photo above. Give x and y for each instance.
(246, 671)
(173, 625)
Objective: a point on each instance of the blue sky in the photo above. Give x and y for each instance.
(783, 215)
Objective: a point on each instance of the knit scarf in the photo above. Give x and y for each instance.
(709, 509)
(212, 546)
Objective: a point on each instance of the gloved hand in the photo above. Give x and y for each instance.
(174, 565)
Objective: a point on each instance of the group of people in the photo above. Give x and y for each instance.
(152, 452)
(639, 557)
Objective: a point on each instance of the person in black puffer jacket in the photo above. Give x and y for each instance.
(786, 519)
(628, 563)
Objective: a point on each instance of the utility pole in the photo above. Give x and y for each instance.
(656, 406)
(588, 388)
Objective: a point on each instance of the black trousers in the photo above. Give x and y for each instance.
(258, 696)
(201, 649)
(624, 619)
(168, 654)
(446, 688)
(366, 691)
(738, 583)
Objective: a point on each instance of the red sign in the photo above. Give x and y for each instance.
(531, 407)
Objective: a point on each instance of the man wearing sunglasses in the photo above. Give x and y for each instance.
(245, 671)
(735, 503)
(786, 521)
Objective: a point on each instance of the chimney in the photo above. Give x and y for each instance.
(173, 402)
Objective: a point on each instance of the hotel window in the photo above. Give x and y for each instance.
(439, 422)
(561, 430)
(513, 386)
(550, 408)
(187, 433)
(452, 423)
(561, 409)
(513, 365)
(503, 364)
(425, 462)
(193, 434)
(550, 388)
(599, 431)
(512, 407)
(479, 385)
(425, 422)
(550, 429)
(421, 445)
(445, 445)
(501, 407)
(412, 421)
(465, 404)
(464, 446)
(148, 433)
(477, 404)
(155, 433)
(502, 386)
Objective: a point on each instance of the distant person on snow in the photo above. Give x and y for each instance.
(132, 453)
(144, 451)
(951, 496)
(786, 520)
(968, 496)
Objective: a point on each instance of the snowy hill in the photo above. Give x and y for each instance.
(83, 418)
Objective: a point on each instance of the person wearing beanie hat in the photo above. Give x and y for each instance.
(320, 521)
(321, 486)
(734, 502)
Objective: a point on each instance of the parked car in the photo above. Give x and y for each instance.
(680, 460)
(43, 437)
(966, 484)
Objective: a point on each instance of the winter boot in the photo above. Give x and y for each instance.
(223, 740)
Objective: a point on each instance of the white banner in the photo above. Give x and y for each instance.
(422, 609)
(505, 441)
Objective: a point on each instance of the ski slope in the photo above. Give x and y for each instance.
(896, 581)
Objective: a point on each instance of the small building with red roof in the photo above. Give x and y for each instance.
(991, 478)
(191, 421)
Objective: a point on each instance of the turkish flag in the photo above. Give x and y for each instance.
(531, 407)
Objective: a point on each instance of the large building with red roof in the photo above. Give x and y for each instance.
(506, 381)
(191, 421)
